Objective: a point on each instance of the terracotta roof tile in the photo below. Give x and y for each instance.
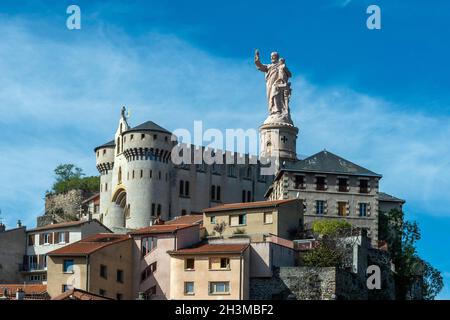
(89, 244)
(249, 205)
(188, 219)
(160, 228)
(212, 249)
(27, 288)
(78, 294)
(64, 225)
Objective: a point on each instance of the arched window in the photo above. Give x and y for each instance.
(119, 178)
(118, 145)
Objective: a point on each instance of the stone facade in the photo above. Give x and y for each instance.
(63, 207)
(330, 195)
(304, 283)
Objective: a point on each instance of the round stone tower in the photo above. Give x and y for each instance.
(105, 164)
(146, 174)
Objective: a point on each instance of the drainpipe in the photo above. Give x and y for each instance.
(240, 277)
(88, 266)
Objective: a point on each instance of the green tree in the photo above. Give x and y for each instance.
(65, 172)
(401, 237)
(334, 245)
(70, 177)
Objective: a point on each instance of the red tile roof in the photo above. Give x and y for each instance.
(212, 249)
(29, 289)
(89, 244)
(160, 228)
(65, 225)
(78, 294)
(249, 205)
(188, 219)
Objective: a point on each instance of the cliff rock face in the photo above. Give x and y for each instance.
(62, 207)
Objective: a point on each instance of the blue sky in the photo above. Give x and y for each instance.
(378, 98)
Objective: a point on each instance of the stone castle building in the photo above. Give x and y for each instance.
(140, 183)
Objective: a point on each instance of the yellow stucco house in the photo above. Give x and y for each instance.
(210, 272)
(255, 219)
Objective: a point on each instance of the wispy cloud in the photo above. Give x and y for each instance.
(61, 97)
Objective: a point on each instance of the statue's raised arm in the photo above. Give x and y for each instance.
(258, 64)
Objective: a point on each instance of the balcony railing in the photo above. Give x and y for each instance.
(32, 267)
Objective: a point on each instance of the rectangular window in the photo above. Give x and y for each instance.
(268, 217)
(31, 240)
(243, 195)
(186, 188)
(217, 263)
(364, 186)
(237, 220)
(320, 183)
(189, 264)
(158, 211)
(148, 244)
(188, 288)
(103, 271)
(66, 287)
(218, 193)
(181, 188)
(342, 184)
(299, 182)
(68, 266)
(213, 219)
(61, 237)
(119, 277)
(363, 209)
(102, 292)
(213, 192)
(153, 209)
(342, 208)
(224, 263)
(219, 287)
(242, 219)
(320, 207)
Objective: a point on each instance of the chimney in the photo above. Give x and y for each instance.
(19, 223)
(20, 294)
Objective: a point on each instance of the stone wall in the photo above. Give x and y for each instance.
(62, 206)
(304, 283)
(383, 260)
(297, 283)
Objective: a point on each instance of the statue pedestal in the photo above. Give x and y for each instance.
(278, 139)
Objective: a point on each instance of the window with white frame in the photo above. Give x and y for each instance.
(363, 209)
(219, 287)
(320, 207)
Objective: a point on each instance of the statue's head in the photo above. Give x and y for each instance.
(274, 56)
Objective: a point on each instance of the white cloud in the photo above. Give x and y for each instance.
(61, 97)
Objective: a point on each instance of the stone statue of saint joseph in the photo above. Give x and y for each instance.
(278, 88)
